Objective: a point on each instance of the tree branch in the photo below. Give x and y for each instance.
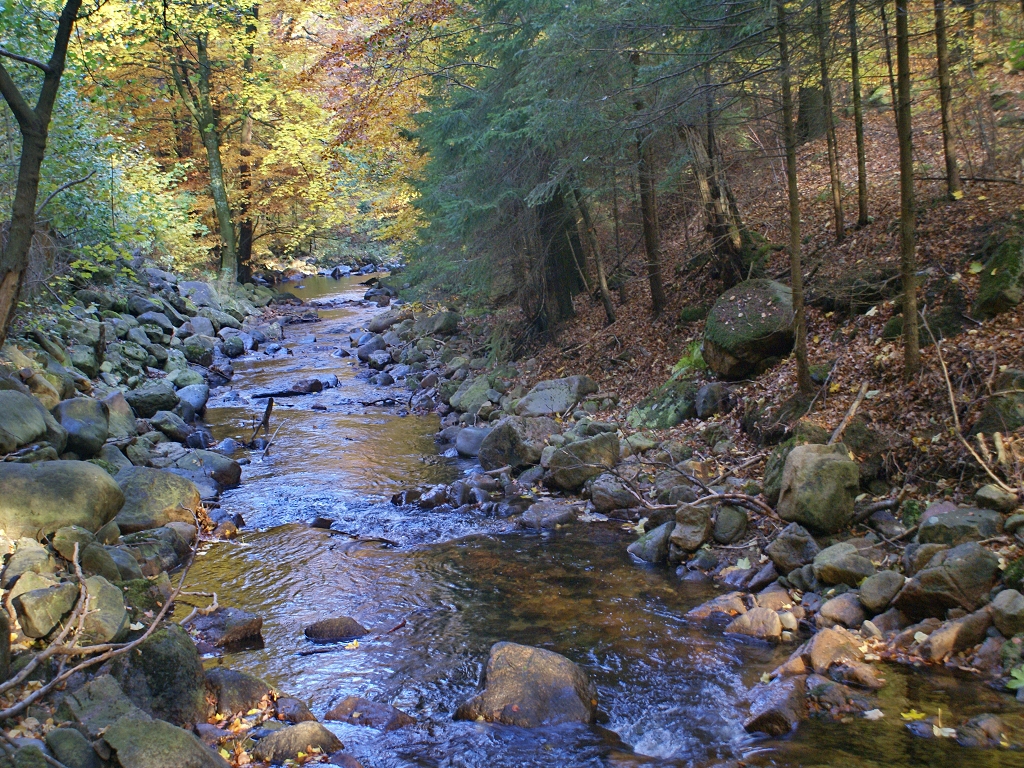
(61, 188)
(23, 113)
(24, 60)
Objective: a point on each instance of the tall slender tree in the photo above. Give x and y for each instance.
(34, 124)
(908, 244)
(953, 186)
(823, 32)
(858, 117)
(649, 220)
(803, 374)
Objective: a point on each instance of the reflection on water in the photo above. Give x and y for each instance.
(671, 694)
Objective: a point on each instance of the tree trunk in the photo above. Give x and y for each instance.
(822, 14)
(810, 120)
(858, 120)
(561, 280)
(803, 375)
(649, 217)
(908, 258)
(245, 223)
(888, 58)
(602, 280)
(34, 125)
(953, 186)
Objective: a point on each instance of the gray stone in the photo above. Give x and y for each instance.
(171, 425)
(547, 515)
(235, 692)
(844, 610)
(761, 623)
(112, 455)
(878, 590)
(749, 326)
(793, 548)
(531, 687)
(97, 561)
(96, 706)
(224, 470)
(120, 417)
(147, 743)
(106, 619)
(359, 711)
(164, 677)
(1008, 612)
(993, 497)
(72, 748)
(777, 707)
(40, 610)
(712, 399)
(20, 420)
(155, 395)
(692, 527)
(127, 565)
(652, 547)
(201, 294)
(65, 538)
(609, 492)
(819, 484)
(955, 636)
(333, 630)
(154, 498)
(571, 466)
(842, 564)
(470, 439)
(555, 397)
(730, 524)
(195, 395)
(957, 525)
(86, 422)
(39, 498)
(515, 442)
(29, 557)
(471, 394)
(228, 625)
(287, 743)
(198, 350)
(960, 577)
(668, 405)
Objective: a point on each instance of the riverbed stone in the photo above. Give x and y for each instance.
(760, 623)
(819, 484)
(195, 395)
(572, 465)
(793, 548)
(171, 425)
(991, 496)
(609, 493)
(652, 547)
(154, 498)
(40, 610)
(356, 710)
(164, 677)
(224, 470)
(96, 706)
(72, 748)
(86, 421)
(227, 626)
(943, 524)
(960, 577)
(291, 710)
(20, 420)
(64, 540)
(842, 564)
(516, 442)
(844, 610)
(548, 514)
(879, 589)
(106, 619)
(692, 527)
(831, 646)
(155, 395)
(749, 326)
(555, 397)
(29, 557)
(957, 635)
(39, 498)
(1008, 612)
(531, 687)
(143, 742)
(333, 630)
(470, 439)
(777, 707)
(235, 691)
(668, 405)
(730, 524)
(287, 743)
(97, 561)
(120, 417)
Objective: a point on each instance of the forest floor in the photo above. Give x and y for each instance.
(637, 353)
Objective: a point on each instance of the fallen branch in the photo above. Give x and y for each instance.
(870, 509)
(196, 610)
(265, 423)
(270, 442)
(838, 434)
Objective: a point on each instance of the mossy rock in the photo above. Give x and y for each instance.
(691, 314)
(1002, 279)
(1003, 412)
(945, 324)
(668, 405)
(749, 328)
(804, 433)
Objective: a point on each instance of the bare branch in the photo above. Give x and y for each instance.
(24, 60)
(61, 188)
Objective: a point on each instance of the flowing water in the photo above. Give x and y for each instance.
(671, 694)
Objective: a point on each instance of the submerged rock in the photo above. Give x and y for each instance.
(531, 687)
(777, 707)
(287, 743)
(359, 711)
(333, 630)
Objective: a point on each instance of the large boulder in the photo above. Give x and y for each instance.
(572, 465)
(749, 327)
(470, 439)
(942, 523)
(202, 294)
(555, 396)
(819, 484)
(1004, 411)
(235, 691)
(287, 743)
(531, 687)
(164, 677)
(516, 442)
(668, 405)
(86, 422)
(40, 498)
(960, 577)
(156, 395)
(793, 548)
(842, 564)
(20, 420)
(120, 417)
(153, 498)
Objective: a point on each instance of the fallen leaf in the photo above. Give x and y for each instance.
(874, 714)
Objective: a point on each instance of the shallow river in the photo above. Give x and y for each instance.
(671, 694)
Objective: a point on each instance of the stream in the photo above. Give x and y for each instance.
(671, 693)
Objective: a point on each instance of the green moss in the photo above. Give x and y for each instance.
(1013, 576)
(911, 512)
(759, 309)
(691, 314)
(1001, 277)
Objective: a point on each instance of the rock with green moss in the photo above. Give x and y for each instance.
(819, 484)
(141, 742)
(165, 678)
(804, 433)
(749, 327)
(1004, 410)
(1002, 279)
(668, 405)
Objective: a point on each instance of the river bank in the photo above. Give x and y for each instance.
(674, 690)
